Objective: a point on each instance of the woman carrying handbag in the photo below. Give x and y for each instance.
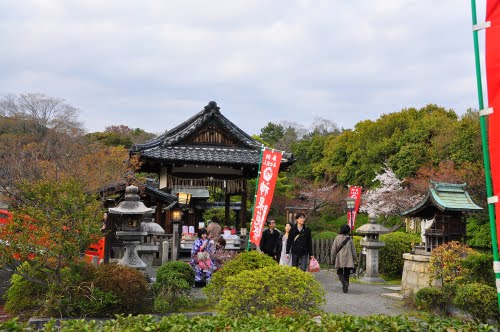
(343, 256)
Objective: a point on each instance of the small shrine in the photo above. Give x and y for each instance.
(440, 216)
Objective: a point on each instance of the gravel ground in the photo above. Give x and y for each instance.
(361, 300)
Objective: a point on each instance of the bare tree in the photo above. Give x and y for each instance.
(42, 112)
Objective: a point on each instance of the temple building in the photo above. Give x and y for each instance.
(205, 154)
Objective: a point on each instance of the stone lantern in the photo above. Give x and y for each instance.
(371, 243)
(127, 217)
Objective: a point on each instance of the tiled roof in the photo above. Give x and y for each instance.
(171, 146)
(446, 197)
(160, 194)
(193, 124)
(209, 155)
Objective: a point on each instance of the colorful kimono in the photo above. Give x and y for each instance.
(198, 272)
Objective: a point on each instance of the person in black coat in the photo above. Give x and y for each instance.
(299, 243)
(269, 240)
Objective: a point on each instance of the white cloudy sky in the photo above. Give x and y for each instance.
(151, 64)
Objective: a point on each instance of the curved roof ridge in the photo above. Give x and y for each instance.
(174, 135)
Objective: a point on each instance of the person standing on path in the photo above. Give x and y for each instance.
(269, 240)
(281, 248)
(299, 243)
(343, 255)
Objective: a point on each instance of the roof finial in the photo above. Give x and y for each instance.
(212, 106)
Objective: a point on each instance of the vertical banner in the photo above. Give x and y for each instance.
(269, 170)
(492, 57)
(354, 192)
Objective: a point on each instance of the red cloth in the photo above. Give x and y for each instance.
(492, 43)
(269, 170)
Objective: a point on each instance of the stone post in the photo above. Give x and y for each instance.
(371, 243)
(175, 241)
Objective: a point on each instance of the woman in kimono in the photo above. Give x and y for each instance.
(202, 274)
(281, 247)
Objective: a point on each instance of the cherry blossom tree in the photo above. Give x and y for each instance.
(390, 198)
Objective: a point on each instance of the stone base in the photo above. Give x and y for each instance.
(372, 280)
(416, 273)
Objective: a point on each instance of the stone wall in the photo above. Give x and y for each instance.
(416, 273)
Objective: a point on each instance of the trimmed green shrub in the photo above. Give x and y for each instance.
(430, 298)
(271, 287)
(127, 284)
(182, 268)
(243, 262)
(478, 267)
(325, 235)
(478, 300)
(391, 255)
(171, 293)
(173, 286)
(264, 322)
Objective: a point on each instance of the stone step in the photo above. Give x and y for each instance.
(396, 296)
(393, 288)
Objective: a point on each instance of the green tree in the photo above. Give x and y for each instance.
(53, 224)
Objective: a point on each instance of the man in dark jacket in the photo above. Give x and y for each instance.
(269, 240)
(299, 243)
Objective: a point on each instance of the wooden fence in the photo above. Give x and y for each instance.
(322, 249)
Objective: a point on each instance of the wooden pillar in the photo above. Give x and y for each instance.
(159, 206)
(227, 210)
(243, 211)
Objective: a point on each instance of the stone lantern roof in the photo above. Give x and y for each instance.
(131, 204)
(372, 227)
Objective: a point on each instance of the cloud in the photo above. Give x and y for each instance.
(153, 64)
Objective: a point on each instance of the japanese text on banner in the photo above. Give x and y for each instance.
(354, 192)
(269, 170)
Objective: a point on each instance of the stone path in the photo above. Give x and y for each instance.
(361, 300)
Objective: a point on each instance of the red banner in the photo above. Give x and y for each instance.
(492, 56)
(354, 192)
(268, 175)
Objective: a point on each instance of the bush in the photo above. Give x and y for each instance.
(23, 295)
(182, 268)
(82, 301)
(430, 298)
(269, 288)
(172, 287)
(391, 255)
(243, 262)
(127, 284)
(478, 269)
(478, 300)
(264, 322)
(171, 293)
(445, 263)
(478, 231)
(219, 215)
(325, 235)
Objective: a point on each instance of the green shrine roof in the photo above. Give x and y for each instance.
(445, 197)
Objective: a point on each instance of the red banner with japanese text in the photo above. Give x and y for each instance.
(354, 192)
(492, 60)
(269, 170)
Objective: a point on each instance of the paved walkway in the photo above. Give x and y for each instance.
(361, 300)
